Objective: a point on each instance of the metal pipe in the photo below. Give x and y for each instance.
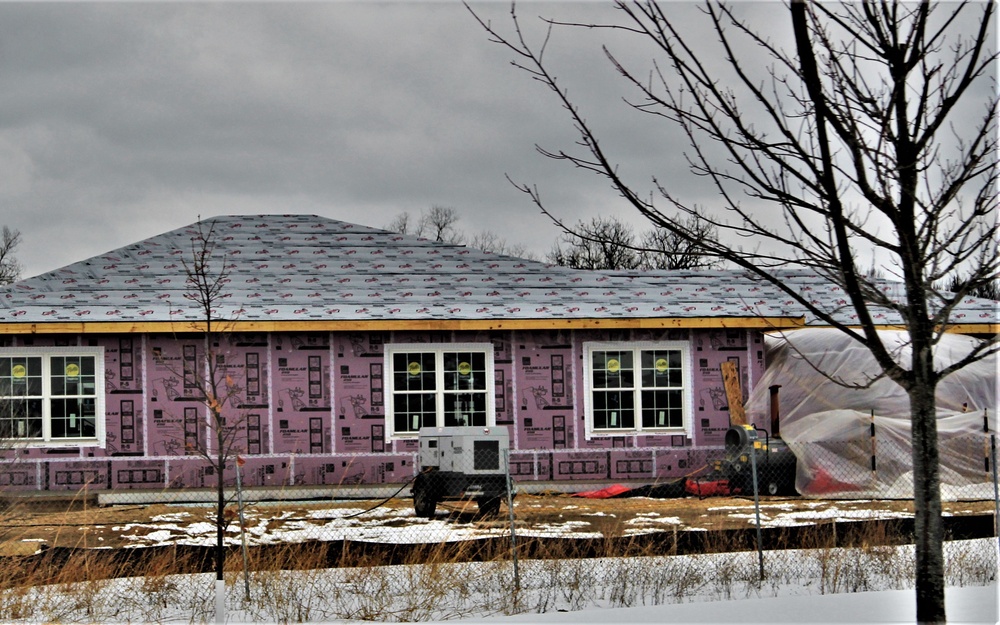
(775, 425)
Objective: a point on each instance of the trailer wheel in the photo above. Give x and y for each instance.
(489, 506)
(424, 503)
(772, 488)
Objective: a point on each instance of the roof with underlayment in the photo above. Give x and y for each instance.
(286, 269)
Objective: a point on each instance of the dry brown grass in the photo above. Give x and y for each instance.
(72, 522)
(323, 581)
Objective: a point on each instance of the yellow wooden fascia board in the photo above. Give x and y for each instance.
(376, 325)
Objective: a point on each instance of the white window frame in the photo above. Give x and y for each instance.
(438, 349)
(100, 416)
(687, 368)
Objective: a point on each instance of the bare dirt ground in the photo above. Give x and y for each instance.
(27, 524)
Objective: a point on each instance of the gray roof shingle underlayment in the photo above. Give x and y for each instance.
(309, 268)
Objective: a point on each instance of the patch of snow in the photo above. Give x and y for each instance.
(670, 520)
(336, 513)
(172, 517)
(158, 536)
(845, 515)
(197, 528)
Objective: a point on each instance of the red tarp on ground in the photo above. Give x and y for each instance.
(605, 493)
(825, 483)
(708, 488)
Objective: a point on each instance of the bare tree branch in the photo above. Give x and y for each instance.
(10, 268)
(859, 141)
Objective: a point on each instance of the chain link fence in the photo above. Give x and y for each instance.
(466, 536)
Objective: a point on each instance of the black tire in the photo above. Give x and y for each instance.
(424, 503)
(773, 488)
(489, 506)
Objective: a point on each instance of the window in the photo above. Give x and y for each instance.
(52, 396)
(449, 385)
(636, 387)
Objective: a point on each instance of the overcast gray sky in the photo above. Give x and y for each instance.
(119, 121)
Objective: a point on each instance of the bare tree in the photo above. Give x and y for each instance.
(493, 243)
(217, 386)
(436, 223)
(401, 223)
(601, 243)
(663, 249)
(986, 290)
(439, 223)
(609, 243)
(878, 131)
(10, 269)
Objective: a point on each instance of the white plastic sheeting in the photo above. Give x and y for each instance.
(830, 427)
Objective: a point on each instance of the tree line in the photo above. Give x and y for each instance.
(604, 242)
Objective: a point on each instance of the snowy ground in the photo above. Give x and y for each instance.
(31, 527)
(814, 586)
(977, 604)
(703, 588)
(543, 516)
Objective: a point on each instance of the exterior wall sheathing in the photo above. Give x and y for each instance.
(310, 408)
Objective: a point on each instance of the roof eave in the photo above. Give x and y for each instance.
(382, 325)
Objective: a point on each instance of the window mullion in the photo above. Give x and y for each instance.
(46, 398)
(637, 388)
(439, 387)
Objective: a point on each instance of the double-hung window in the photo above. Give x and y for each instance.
(633, 388)
(439, 386)
(52, 396)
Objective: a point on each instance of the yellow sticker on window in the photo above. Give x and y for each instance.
(413, 368)
(464, 368)
(18, 371)
(72, 370)
(614, 365)
(661, 365)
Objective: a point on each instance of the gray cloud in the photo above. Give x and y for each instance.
(119, 121)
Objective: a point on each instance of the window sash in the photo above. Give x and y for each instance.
(637, 387)
(52, 395)
(439, 386)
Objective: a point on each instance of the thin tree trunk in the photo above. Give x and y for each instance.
(929, 530)
(220, 519)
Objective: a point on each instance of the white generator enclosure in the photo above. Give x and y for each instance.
(465, 449)
(462, 463)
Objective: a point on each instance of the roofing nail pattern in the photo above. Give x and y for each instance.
(305, 267)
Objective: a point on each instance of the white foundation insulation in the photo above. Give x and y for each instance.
(829, 427)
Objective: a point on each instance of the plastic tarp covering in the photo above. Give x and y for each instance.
(830, 427)
(615, 490)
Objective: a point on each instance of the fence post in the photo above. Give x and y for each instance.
(996, 488)
(756, 505)
(871, 433)
(243, 535)
(510, 514)
(987, 462)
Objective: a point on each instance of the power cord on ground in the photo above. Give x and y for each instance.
(383, 502)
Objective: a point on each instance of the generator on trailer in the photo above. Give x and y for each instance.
(462, 463)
